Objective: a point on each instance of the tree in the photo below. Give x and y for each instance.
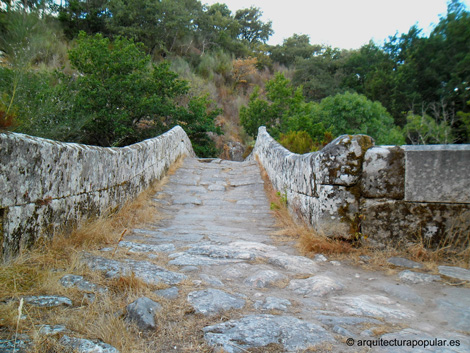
(282, 110)
(293, 48)
(122, 98)
(322, 74)
(80, 15)
(252, 29)
(351, 113)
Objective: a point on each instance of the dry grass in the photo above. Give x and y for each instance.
(37, 272)
(310, 242)
(453, 249)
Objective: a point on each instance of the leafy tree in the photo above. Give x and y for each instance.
(282, 110)
(322, 74)
(218, 27)
(351, 113)
(252, 29)
(122, 98)
(424, 130)
(84, 15)
(293, 48)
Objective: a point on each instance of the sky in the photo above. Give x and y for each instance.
(346, 24)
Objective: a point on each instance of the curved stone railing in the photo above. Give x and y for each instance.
(388, 193)
(47, 185)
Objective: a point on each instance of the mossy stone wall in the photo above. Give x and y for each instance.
(46, 186)
(389, 193)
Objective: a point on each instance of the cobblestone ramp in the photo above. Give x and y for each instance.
(218, 219)
(216, 231)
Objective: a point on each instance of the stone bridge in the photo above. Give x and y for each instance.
(215, 237)
(350, 187)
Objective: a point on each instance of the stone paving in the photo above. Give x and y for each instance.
(216, 230)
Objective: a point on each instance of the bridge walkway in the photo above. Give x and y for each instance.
(219, 228)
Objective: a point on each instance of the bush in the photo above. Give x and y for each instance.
(297, 142)
(352, 113)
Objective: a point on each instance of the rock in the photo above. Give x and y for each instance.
(169, 293)
(417, 277)
(383, 172)
(211, 301)
(216, 187)
(342, 331)
(320, 258)
(142, 312)
(372, 305)
(12, 346)
(189, 269)
(48, 330)
(332, 320)
(143, 270)
(81, 345)
(273, 303)
(80, 283)
(335, 263)
(298, 264)
(261, 330)
(47, 301)
(212, 280)
(439, 344)
(138, 247)
(316, 286)
(264, 278)
(455, 272)
(402, 292)
(454, 306)
(402, 262)
(187, 200)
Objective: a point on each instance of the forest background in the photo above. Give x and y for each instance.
(114, 72)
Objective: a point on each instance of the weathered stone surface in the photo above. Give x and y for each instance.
(417, 277)
(402, 292)
(437, 173)
(47, 301)
(12, 346)
(383, 173)
(272, 303)
(455, 272)
(82, 345)
(440, 344)
(316, 184)
(80, 283)
(390, 220)
(169, 293)
(142, 312)
(264, 278)
(373, 306)
(332, 320)
(137, 247)
(316, 286)
(47, 185)
(48, 330)
(144, 270)
(212, 280)
(261, 330)
(454, 306)
(212, 301)
(298, 264)
(402, 262)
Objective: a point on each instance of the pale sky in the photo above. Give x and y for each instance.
(346, 24)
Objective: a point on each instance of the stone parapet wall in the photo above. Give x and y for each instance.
(46, 185)
(389, 193)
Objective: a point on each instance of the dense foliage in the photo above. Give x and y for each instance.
(110, 73)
